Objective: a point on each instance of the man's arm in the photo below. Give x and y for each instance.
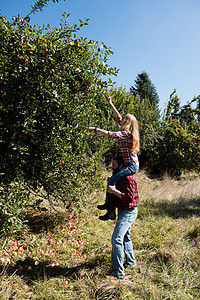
(127, 189)
(113, 190)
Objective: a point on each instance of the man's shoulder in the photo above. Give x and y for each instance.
(128, 179)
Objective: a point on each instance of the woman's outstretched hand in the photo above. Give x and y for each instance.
(96, 129)
(90, 128)
(109, 99)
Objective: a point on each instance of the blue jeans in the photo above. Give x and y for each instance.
(121, 241)
(125, 171)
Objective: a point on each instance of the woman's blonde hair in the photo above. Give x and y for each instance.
(130, 122)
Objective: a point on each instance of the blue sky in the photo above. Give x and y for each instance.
(157, 36)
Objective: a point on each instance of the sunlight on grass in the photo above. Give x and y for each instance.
(66, 255)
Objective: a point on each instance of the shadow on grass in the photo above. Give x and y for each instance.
(179, 209)
(44, 221)
(32, 271)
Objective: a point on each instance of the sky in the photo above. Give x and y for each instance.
(156, 36)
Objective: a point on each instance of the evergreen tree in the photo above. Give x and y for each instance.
(148, 114)
(145, 89)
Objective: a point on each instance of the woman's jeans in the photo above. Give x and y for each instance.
(122, 173)
(121, 241)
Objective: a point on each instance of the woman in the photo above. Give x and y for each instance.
(128, 140)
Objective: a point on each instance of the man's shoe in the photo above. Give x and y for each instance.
(108, 216)
(102, 207)
(118, 276)
(128, 265)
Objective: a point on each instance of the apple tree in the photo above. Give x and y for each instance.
(49, 80)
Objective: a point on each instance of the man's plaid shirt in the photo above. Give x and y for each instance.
(129, 192)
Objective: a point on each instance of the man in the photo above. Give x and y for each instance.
(127, 203)
(110, 203)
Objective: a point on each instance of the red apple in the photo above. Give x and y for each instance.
(25, 287)
(46, 52)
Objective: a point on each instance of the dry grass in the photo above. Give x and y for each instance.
(69, 253)
(187, 188)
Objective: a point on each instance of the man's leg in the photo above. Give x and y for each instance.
(125, 218)
(128, 249)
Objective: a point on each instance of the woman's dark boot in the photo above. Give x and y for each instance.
(108, 216)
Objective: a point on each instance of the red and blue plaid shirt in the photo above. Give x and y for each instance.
(129, 192)
(125, 141)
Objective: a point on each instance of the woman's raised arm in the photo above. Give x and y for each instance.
(115, 111)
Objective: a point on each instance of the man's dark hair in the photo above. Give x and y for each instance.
(119, 159)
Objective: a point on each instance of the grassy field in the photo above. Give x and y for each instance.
(66, 255)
